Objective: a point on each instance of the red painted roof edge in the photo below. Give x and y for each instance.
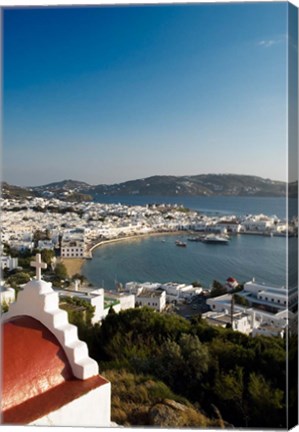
(45, 403)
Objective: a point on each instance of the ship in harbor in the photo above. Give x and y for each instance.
(180, 243)
(216, 238)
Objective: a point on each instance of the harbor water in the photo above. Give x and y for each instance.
(157, 259)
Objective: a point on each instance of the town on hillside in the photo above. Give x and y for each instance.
(63, 231)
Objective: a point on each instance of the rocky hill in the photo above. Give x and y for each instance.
(197, 185)
(10, 191)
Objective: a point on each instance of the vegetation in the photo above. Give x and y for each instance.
(80, 312)
(18, 278)
(241, 300)
(142, 400)
(217, 289)
(60, 274)
(222, 371)
(4, 307)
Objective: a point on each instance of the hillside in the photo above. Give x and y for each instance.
(197, 185)
(10, 191)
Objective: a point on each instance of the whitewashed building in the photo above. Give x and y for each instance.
(73, 249)
(238, 321)
(9, 262)
(153, 299)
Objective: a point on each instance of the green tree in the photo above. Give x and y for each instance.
(267, 402)
(18, 279)
(241, 300)
(47, 255)
(60, 271)
(229, 388)
(217, 289)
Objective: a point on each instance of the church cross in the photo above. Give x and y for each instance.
(38, 264)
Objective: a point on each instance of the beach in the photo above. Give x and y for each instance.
(73, 265)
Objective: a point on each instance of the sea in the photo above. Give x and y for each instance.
(213, 205)
(158, 259)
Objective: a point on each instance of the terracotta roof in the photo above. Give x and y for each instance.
(231, 279)
(37, 377)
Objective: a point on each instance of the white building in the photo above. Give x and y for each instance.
(241, 322)
(272, 298)
(231, 283)
(229, 226)
(174, 291)
(118, 302)
(153, 299)
(266, 315)
(73, 248)
(98, 298)
(177, 292)
(9, 262)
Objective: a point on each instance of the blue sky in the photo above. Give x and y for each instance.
(109, 94)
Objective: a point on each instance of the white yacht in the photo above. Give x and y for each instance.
(216, 238)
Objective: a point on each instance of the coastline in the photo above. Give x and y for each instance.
(74, 265)
(134, 236)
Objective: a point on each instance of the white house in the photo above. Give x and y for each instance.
(231, 283)
(154, 299)
(272, 298)
(73, 248)
(101, 300)
(241, 321)
(229, 226)
(9, 262)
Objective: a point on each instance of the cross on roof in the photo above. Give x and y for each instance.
(38, 264)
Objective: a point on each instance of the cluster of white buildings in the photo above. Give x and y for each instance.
(75, 227)
(268, 312)
(156, 295)
(100, 299)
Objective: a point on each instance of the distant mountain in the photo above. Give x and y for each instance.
(10, 191)
(64, 185)
(196, 185)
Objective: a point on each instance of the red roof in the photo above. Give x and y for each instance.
(231, 279)
(37, 377)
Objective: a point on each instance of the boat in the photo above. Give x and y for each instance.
(194, 239)
(214, 238)
(180, 243)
